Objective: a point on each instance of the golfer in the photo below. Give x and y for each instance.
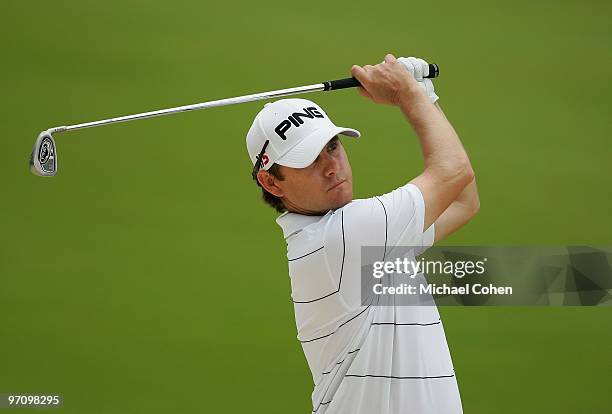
(364, 359)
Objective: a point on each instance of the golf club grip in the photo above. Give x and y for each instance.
(434, 72)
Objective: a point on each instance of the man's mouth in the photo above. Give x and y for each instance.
(336, 185)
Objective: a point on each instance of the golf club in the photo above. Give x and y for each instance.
(44, 161)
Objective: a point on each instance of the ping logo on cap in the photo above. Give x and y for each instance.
(296, 119)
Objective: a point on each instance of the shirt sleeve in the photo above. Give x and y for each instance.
(428, 240)
(396, 218)
(405, 211)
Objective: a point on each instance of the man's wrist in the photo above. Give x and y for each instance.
(412, 95)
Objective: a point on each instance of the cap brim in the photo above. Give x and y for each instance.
(305, 152)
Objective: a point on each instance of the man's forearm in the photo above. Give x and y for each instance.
(442, 149)
(461, 211)
(468, 198)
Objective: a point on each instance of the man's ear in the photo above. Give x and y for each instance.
(269, 183)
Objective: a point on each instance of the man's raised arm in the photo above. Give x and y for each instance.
(447, 169)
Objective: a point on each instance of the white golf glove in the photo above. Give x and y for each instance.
(418, 68)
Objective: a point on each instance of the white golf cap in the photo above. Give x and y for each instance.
(296, 131)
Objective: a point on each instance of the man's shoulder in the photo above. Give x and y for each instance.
(361, 219)
(362, 207)
(405, 196)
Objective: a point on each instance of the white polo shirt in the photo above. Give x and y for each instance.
(366, 359)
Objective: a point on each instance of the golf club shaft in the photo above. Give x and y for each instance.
(325, 86)
(195, 107)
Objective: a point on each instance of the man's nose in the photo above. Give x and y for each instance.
(331, 165)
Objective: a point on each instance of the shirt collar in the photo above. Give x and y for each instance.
(293, 222)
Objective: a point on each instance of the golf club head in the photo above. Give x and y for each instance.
(43, 161)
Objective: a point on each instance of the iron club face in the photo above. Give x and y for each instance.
(43, 161)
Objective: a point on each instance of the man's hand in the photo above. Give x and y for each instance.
(420, 69)
(387, 83)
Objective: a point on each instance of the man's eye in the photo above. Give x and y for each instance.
(332, 146)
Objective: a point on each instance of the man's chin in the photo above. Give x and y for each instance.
(342, 200)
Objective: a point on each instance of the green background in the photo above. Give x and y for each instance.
(148, 277)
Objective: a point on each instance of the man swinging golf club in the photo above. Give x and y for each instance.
(364, 359)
